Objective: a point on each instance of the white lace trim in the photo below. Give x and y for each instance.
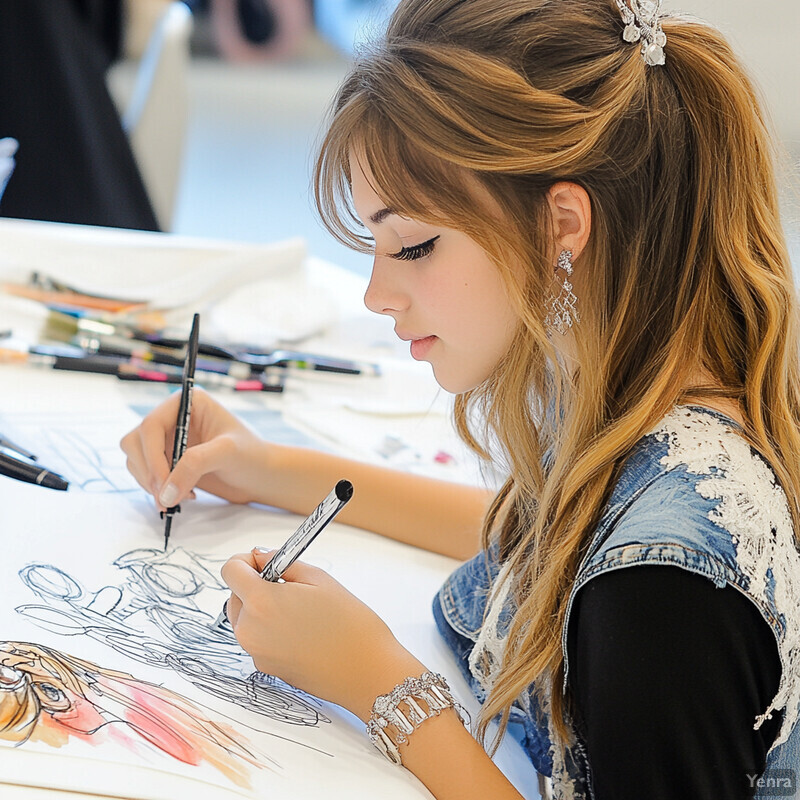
(485, 661)
(755, 511)
(486, 657)
(564, 785)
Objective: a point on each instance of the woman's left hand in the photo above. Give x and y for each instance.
(314, 634)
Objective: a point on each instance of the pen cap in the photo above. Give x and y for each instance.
(344, 490)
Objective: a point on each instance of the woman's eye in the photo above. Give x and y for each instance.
(416, 251)
(52, 698)
(51, 692)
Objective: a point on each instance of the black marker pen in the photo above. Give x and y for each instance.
(297, 543)
(30, 473)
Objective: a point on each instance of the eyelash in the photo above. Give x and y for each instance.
(416, 252)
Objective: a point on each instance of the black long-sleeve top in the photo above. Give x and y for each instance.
(667, 675)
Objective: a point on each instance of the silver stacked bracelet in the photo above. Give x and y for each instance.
(390, 725)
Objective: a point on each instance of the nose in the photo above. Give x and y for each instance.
(385, 293)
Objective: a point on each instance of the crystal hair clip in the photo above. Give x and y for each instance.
(642, 24)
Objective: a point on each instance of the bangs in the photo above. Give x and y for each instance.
(411, 181)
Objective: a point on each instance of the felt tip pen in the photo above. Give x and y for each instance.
(133, 349)
(298, 542)
(129, 372)
(181, 439)
(292, 359)
(100, 365)
(75, 359)
(260, 359)
(69, 298)
(70, 359)
(31, 473)
(210, 380)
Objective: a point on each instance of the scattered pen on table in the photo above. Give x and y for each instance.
(184, 416)
(272, 382)
(31, 473)
(133, 349)
(103, 335)
(261, 359)
(9, 445)
(298, 542)
(73, 359)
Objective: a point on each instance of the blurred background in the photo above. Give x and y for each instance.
(223, 105)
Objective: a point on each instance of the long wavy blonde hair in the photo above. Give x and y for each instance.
(686, 261)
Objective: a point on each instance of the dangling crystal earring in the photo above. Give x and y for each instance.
(561, 310)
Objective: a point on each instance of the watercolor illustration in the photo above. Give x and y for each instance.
(49, 696)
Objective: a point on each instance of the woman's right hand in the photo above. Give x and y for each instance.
(221, 455)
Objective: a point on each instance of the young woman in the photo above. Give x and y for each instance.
(573, 215)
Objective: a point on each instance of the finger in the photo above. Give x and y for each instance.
(135, 462)
(299, 572)
(196, 462)
(242, 578)
(262, 556)
(246, 557)
(134, 465)
(233, 608)
(154, 431)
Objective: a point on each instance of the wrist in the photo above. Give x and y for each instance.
(386, 671)
(397, 715)
(262, 465)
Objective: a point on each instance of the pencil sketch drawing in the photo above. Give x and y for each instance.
(49, 696)
(162, 613)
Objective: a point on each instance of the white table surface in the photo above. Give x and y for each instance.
(417, 413)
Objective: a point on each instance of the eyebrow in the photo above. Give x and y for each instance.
(380, 216)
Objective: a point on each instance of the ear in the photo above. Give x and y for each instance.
(571, 211)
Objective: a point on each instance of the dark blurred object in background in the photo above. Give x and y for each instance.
(74, 162)
(256, 30)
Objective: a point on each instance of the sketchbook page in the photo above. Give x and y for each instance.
(109, 651)
(72, 422)
(401, 419)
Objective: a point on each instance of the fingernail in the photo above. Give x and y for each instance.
(263, 549)
(169, 495)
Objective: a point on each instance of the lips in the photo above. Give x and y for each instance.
(420, 347)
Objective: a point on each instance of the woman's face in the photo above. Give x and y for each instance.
(31, 688)
(445, 295)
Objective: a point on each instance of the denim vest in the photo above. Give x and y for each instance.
(694, 494)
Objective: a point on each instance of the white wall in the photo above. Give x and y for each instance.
(767, 36)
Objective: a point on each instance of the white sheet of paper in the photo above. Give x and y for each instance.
(63, 590)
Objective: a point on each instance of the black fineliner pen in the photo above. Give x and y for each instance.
(31, 473)
(297, 543)
(184, 414)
